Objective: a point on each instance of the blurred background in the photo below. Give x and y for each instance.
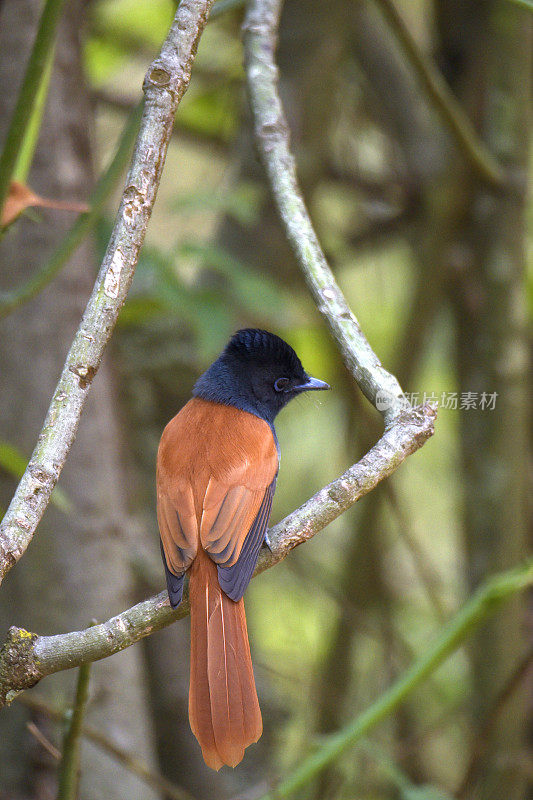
(432, 257)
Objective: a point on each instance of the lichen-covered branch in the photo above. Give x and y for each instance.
(272, 139)
(26, 657)
(166, 81)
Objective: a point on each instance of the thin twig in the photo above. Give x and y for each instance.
(33, 77)
(166, 81)
(445, 103)
(272, 139)
(480, 745)
(69, 770)
(129, 761)
(26, 657)
(43, 741)
(9, 301)
(424, 569)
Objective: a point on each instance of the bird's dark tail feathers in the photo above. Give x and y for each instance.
(223, 707)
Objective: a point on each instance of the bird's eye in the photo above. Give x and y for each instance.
(281, 384)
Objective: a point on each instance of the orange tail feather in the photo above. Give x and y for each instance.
(223, 707)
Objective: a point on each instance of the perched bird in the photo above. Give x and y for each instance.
(216, 473)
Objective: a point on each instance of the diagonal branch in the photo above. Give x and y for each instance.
(272, 139)
(165, 84)
(26, 657)
(445, 103)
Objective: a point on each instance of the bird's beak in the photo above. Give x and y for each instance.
(312, 383)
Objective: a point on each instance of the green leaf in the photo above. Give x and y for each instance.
(13, 462)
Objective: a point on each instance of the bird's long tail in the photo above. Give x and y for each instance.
(223, 707)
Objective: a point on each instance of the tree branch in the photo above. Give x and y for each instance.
(445, 103)
(165, 84)
(272, 139)
(26, 657)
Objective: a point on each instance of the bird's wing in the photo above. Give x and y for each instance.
(234, 578)
(177, 524)
(216, 488)
(235, 512)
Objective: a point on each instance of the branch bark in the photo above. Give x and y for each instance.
(26, 657)
(165, 84)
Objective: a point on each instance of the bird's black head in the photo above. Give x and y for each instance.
(257, 372)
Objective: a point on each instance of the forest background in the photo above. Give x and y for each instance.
(410, 126)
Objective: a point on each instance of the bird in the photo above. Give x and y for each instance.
(217, 466)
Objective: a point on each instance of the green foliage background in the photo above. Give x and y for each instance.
(192, 290)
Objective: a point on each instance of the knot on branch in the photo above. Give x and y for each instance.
(273, 131)
(41, 474)
(18, 665)
(159, 76)
(424, 417)
(84, 373)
